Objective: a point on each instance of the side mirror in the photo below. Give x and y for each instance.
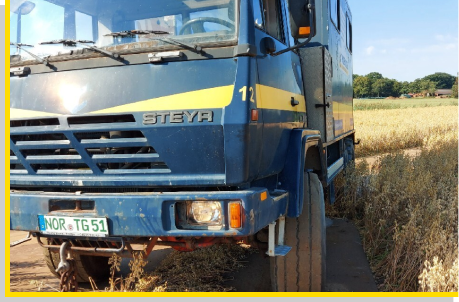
(302, 18)
(25, 8)
(269, 45)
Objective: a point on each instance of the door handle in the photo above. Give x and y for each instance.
(294, 102)
(323, 105)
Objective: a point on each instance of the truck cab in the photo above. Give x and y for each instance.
(181, 122)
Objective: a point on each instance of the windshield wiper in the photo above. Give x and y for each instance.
(21, 45)
(193, 47)
(132, 33)
(68, 42)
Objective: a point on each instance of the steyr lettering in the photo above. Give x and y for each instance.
(175, 117)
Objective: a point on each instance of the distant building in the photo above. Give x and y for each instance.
(445, 92)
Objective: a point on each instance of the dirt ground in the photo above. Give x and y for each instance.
(347, 266)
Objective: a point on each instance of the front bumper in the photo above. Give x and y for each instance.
(148, 214)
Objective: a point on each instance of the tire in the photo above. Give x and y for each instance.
(303, 268)
(85, 266)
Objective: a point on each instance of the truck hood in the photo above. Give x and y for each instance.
(154, 125)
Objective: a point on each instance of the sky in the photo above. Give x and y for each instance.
(405, 39)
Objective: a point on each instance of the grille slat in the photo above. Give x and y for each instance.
(22, 171)
(139, 171)
(33, 130)
(63, 172)
(128, 158)
(101, 127)
(43, 144)
(55, 159)
(114, 143)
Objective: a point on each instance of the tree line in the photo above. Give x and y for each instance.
(375, 85)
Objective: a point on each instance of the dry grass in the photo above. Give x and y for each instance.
(203, 270)
(437, 277)
(407, 210)
(129, 283)
(382, 131)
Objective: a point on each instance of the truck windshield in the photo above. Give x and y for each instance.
(204, 22)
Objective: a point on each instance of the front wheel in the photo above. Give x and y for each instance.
(95, 267)
(303, 268)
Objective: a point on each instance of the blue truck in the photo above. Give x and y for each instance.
(183, 123)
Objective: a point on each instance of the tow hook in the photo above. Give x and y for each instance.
(66, 269)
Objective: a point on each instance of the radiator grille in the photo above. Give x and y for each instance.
(49, 147)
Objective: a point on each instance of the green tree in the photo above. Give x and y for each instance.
(442, 80)
(454, 94)
(395, 87)
(427, 87)
(373, 76)
(404, 87)
(415, 86)
(380, 87)
(362, 87)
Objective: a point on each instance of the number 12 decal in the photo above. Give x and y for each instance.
(243, 90)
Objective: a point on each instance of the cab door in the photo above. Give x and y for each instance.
(279, 90)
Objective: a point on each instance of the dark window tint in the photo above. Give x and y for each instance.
(257, 15)
(335, 13)
(272, 15)
(349, 35)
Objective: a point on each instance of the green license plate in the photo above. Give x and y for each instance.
(73, 226)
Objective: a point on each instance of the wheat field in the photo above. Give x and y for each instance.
(382, 131)
(394, 103)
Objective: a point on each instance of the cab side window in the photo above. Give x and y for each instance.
(272, 13)
(335, 13)
(349, 35)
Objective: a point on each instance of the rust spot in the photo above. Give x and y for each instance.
(230, 233)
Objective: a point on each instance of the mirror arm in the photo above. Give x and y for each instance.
(313, 30)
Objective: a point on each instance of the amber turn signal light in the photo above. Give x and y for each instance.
(235, 215)
(304, 31)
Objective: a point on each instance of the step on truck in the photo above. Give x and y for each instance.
(183, 123)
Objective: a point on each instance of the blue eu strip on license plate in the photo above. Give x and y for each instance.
(73, 226)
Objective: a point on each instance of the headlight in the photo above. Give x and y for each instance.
(199, 215)
(204, 212)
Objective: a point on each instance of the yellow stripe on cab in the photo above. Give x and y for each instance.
(218, 97)
(278, 99)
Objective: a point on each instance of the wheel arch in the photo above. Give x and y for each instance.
(304, 154)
